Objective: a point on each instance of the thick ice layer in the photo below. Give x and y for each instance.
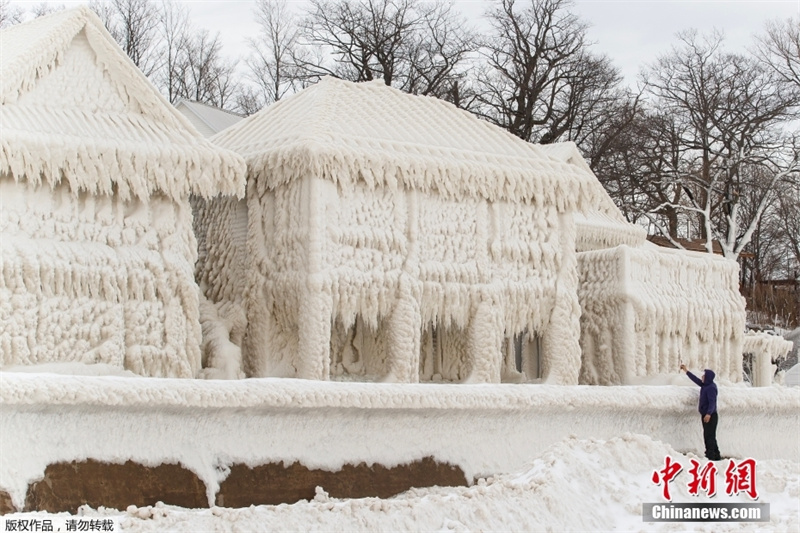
(766, 350)
(645, 311)
(320, 260)
(395, 237)
(94, 279)
(206, 425)
(369, 133)
(601, 224)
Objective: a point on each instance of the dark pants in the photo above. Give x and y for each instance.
(710, 437)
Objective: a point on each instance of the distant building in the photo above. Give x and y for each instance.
(207, 119)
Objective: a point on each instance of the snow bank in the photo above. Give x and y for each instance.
(574, 485)
(645, 311)
(206, 425)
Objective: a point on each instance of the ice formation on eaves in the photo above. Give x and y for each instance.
(646, 310)
(346, 133)
(74, 108)
(95, 174)
(600, 225)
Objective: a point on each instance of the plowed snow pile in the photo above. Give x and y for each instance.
(577, 485)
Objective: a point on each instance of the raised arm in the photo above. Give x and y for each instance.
(694, 378)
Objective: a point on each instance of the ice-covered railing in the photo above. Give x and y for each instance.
(206, 426)
(766, 350)
(644, 311)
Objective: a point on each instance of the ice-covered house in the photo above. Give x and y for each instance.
(396, 237)
(96, 168)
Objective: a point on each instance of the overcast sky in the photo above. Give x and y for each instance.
(631, 32)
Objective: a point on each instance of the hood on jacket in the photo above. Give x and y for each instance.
(708, 376)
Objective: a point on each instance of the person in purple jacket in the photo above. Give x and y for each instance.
(708, 410)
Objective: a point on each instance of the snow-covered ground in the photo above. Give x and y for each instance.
(575, 485)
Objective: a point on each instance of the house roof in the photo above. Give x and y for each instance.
(73, 106)
(602, 224)
(696, 245)
(208, 120)
(344, 132)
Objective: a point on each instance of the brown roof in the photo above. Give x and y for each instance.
(695, 245)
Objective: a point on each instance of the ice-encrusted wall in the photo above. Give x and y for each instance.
(95, 279)
(220, 225)
(349, 282)
(645, 311)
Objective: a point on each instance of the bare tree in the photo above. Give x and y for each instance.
(780, 48)
(729, 112)
(415, 47)
(174, 30)
(44, 8)
(532, 57)
(206, 76)
(775, 245)
(9, 15)
(439, 54)
(271, 63)
(134, 25)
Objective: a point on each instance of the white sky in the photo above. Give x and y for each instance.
(631, 32)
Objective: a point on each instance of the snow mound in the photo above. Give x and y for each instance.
(576, 485)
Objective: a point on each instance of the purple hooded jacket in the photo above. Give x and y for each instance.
(708, 392)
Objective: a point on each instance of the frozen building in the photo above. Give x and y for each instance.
(387, 236)
(646, 310)
(395, 237)
(96, 168)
